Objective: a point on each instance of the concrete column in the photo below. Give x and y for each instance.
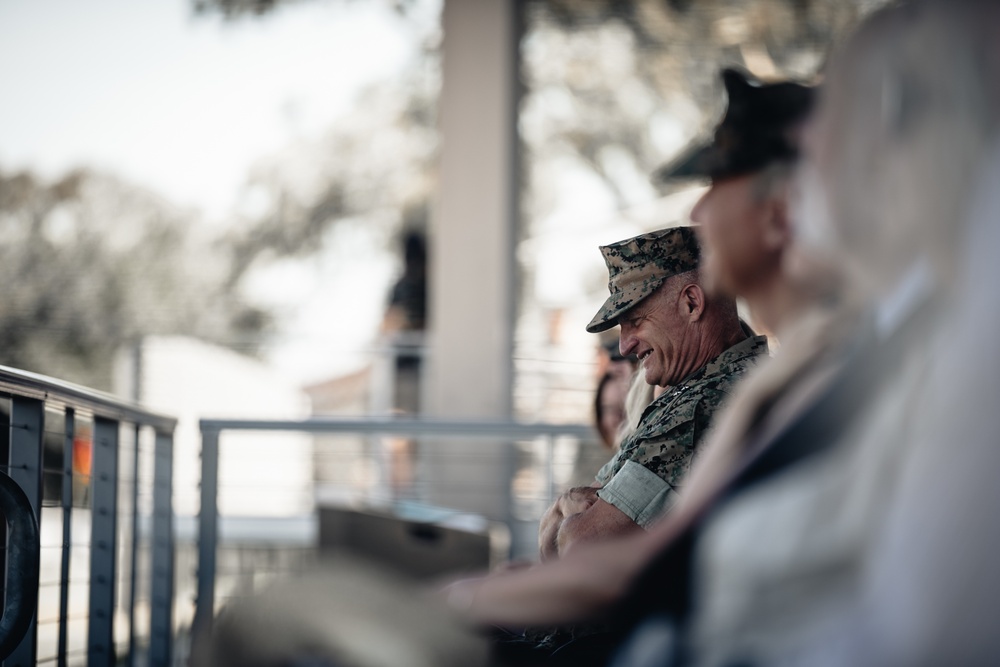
(469, 366)
(473, 221)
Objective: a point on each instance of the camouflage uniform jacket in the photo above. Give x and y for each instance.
(642, 480)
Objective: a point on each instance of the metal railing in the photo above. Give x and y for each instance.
(503, 437)
(91, 531)
(86, 462)
(86, 488)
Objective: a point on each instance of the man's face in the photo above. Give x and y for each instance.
(736, 253)
(658, 331)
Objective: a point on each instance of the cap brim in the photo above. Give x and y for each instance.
(606, 318)
(693, 163)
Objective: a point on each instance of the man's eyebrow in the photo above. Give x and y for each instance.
(631, 316)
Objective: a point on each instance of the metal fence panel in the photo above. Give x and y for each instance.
(246, 558)
(51, 420)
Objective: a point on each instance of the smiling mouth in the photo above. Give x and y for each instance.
(645, 355)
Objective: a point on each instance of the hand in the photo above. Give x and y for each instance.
(574, 501)
(578, 499)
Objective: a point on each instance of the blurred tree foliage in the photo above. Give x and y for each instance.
(91, 263)
(620, 85)
(238, 8)
(612, 88)
(613, 85)
(94, 262)
(374, 168)
(615, 88)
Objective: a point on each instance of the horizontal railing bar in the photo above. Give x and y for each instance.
(54, 658)
(397, 426)
(33, 385)
(50, 620)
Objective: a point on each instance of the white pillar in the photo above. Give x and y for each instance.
(469, 366)
(473, 221)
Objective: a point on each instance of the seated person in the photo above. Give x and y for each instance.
(609, 414)
(611, 396)
(693, 346)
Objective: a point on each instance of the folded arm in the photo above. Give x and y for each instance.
(578, 516)
(634, 499)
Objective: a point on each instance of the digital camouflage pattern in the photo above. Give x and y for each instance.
(637, 266)
(674, 424)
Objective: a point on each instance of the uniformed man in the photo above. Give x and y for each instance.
(694, 346)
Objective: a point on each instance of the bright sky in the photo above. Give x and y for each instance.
(185, 105)
(181, 104)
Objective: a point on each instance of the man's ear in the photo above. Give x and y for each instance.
(776, 230)
(692, 302)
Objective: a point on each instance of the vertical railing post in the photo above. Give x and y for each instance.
(134, 555)
(103, 544)
(67, 532)
(509, 517)
(162, 593)
(550, 470)
(26, 428)
(208, 526)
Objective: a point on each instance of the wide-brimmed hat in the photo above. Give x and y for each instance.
(639, 265)
(757, 130)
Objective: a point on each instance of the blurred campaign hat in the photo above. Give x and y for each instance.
(757, 130)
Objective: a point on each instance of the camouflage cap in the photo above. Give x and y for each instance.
(756, 131)
(637, 266)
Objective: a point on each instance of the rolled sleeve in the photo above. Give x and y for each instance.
(641, 494)
(606, 472)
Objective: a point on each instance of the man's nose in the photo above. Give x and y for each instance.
(626, 341)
